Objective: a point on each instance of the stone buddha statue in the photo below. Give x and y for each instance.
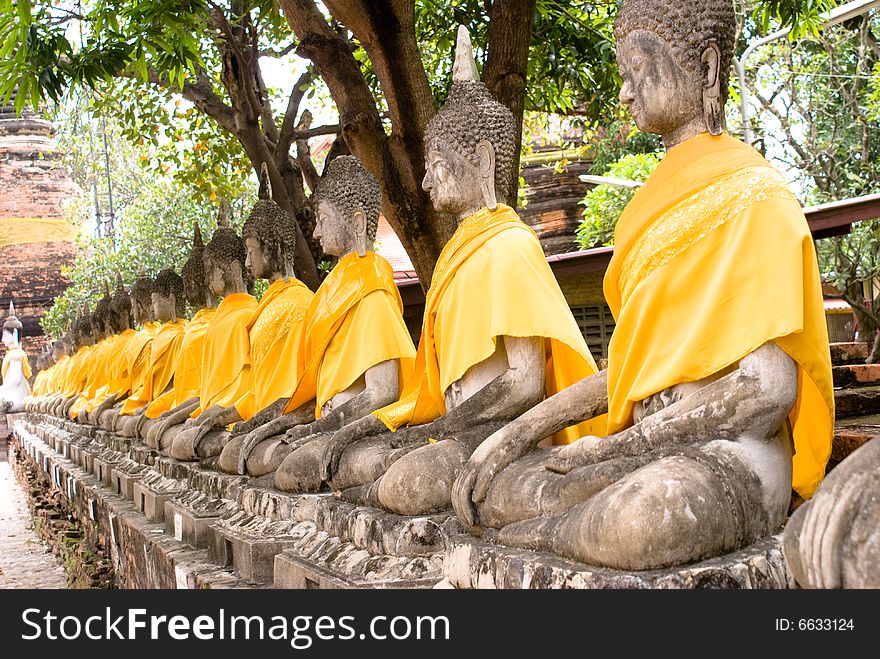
(353, 350)
(98, 374)
(833, 540)
(183, 394)
(497, 334)
(269, 235)
(168, 302)
(117, 378)
(225, 370)
(16, 370)
(136, 348)
(85, 335)
(717, 399)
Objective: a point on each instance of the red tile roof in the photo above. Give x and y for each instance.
(389, 246)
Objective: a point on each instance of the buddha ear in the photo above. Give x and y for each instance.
(486, 154)
(359, 221)
(713, 112)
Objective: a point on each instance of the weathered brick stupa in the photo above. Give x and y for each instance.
(35, 240)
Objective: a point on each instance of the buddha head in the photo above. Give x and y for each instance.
(347, 201)
(469, 143)
(12, 329)
(195, 288)
(224, 258)
(85, 330)
(674, 59)
(119, 317)
(269, 236)
(168, 296)
(101, 314)
(142, 299)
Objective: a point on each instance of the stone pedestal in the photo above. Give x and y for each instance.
(188, 517)
(471, 563)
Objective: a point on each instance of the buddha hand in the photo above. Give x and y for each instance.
(491, 456)
(581, 453)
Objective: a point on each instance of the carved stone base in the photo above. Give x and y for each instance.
(472, 563)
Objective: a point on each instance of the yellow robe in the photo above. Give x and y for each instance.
(25, 364)
(226, 369)
(712, 259)
(140, 359)
(354, 322)
(98, 375)
(164, 350)
(188, 366)
(78, 373)
(278, 317)
(117, 371)
(492, 279)
(59, 374)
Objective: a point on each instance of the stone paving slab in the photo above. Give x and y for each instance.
(25, 560)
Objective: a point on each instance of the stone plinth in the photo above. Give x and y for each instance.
(472, 563)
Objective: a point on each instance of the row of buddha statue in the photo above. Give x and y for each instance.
(716, 403)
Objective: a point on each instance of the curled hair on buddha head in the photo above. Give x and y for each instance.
(347, 185)
(142, 289)
(272, 226)
(193, 271)
(85, 326)
(225, 247)
(120, 308)
(168, 282)
(471, 115)
(689, 27)
(102, 311)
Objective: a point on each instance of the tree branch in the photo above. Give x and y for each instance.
(304, 153)
(288, 124)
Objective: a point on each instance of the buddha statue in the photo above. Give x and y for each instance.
(497, 335)
(116, 382)
(16, 370)
(184, 392)
(225, 372)
(98, 374)
(717, 399)
(833, 540)
(85, 335)
(167, 308)
(353, 350)
(269, 235)
(136, 348)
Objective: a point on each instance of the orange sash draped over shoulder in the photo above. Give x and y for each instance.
(226, 369)
(278, 317)
(354, 322)
(492, 279)
(188, 366)
(164, 351)
(713, 258)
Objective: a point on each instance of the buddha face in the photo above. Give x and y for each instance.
(164, 306)
(215, 278)
(451, 181)
(338, 234)
(662, 96)
(256, 260)
(141, 311)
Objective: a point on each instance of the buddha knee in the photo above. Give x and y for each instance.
(421, 482)
(229, 455)
(672, 512)
(300, 471)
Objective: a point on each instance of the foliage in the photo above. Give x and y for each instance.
(153, 216)
(604, 204)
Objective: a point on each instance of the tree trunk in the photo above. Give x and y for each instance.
(386, 30)
(510, 35)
